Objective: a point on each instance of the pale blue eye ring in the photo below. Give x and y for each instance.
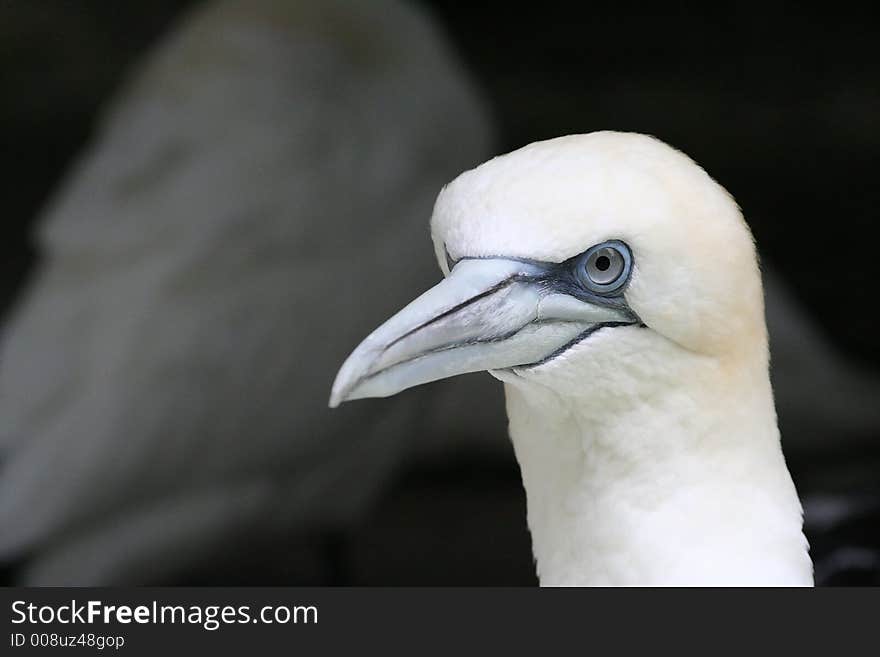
(605, 268)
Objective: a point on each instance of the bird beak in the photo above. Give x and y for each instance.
(489, 314)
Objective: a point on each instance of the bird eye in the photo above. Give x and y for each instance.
(605, 268)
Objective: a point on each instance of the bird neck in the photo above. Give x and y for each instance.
(677, 478)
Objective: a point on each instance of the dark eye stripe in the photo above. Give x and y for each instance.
(570, 276)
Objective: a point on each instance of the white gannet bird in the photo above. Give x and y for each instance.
(613, 287)
(286, 79)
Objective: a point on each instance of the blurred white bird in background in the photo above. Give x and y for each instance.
(825, 400)
(255, 201)
(164, 376)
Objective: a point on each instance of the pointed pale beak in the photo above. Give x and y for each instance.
(489, 314)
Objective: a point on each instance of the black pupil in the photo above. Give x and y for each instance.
(603, 263)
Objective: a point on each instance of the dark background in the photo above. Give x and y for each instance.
(779, 102)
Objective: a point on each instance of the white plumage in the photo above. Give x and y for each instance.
(648, 444)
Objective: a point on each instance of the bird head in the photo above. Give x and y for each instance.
(568, 254)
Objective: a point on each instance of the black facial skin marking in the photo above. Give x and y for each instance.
(564, 277)
(568, 345)
(450, 263)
